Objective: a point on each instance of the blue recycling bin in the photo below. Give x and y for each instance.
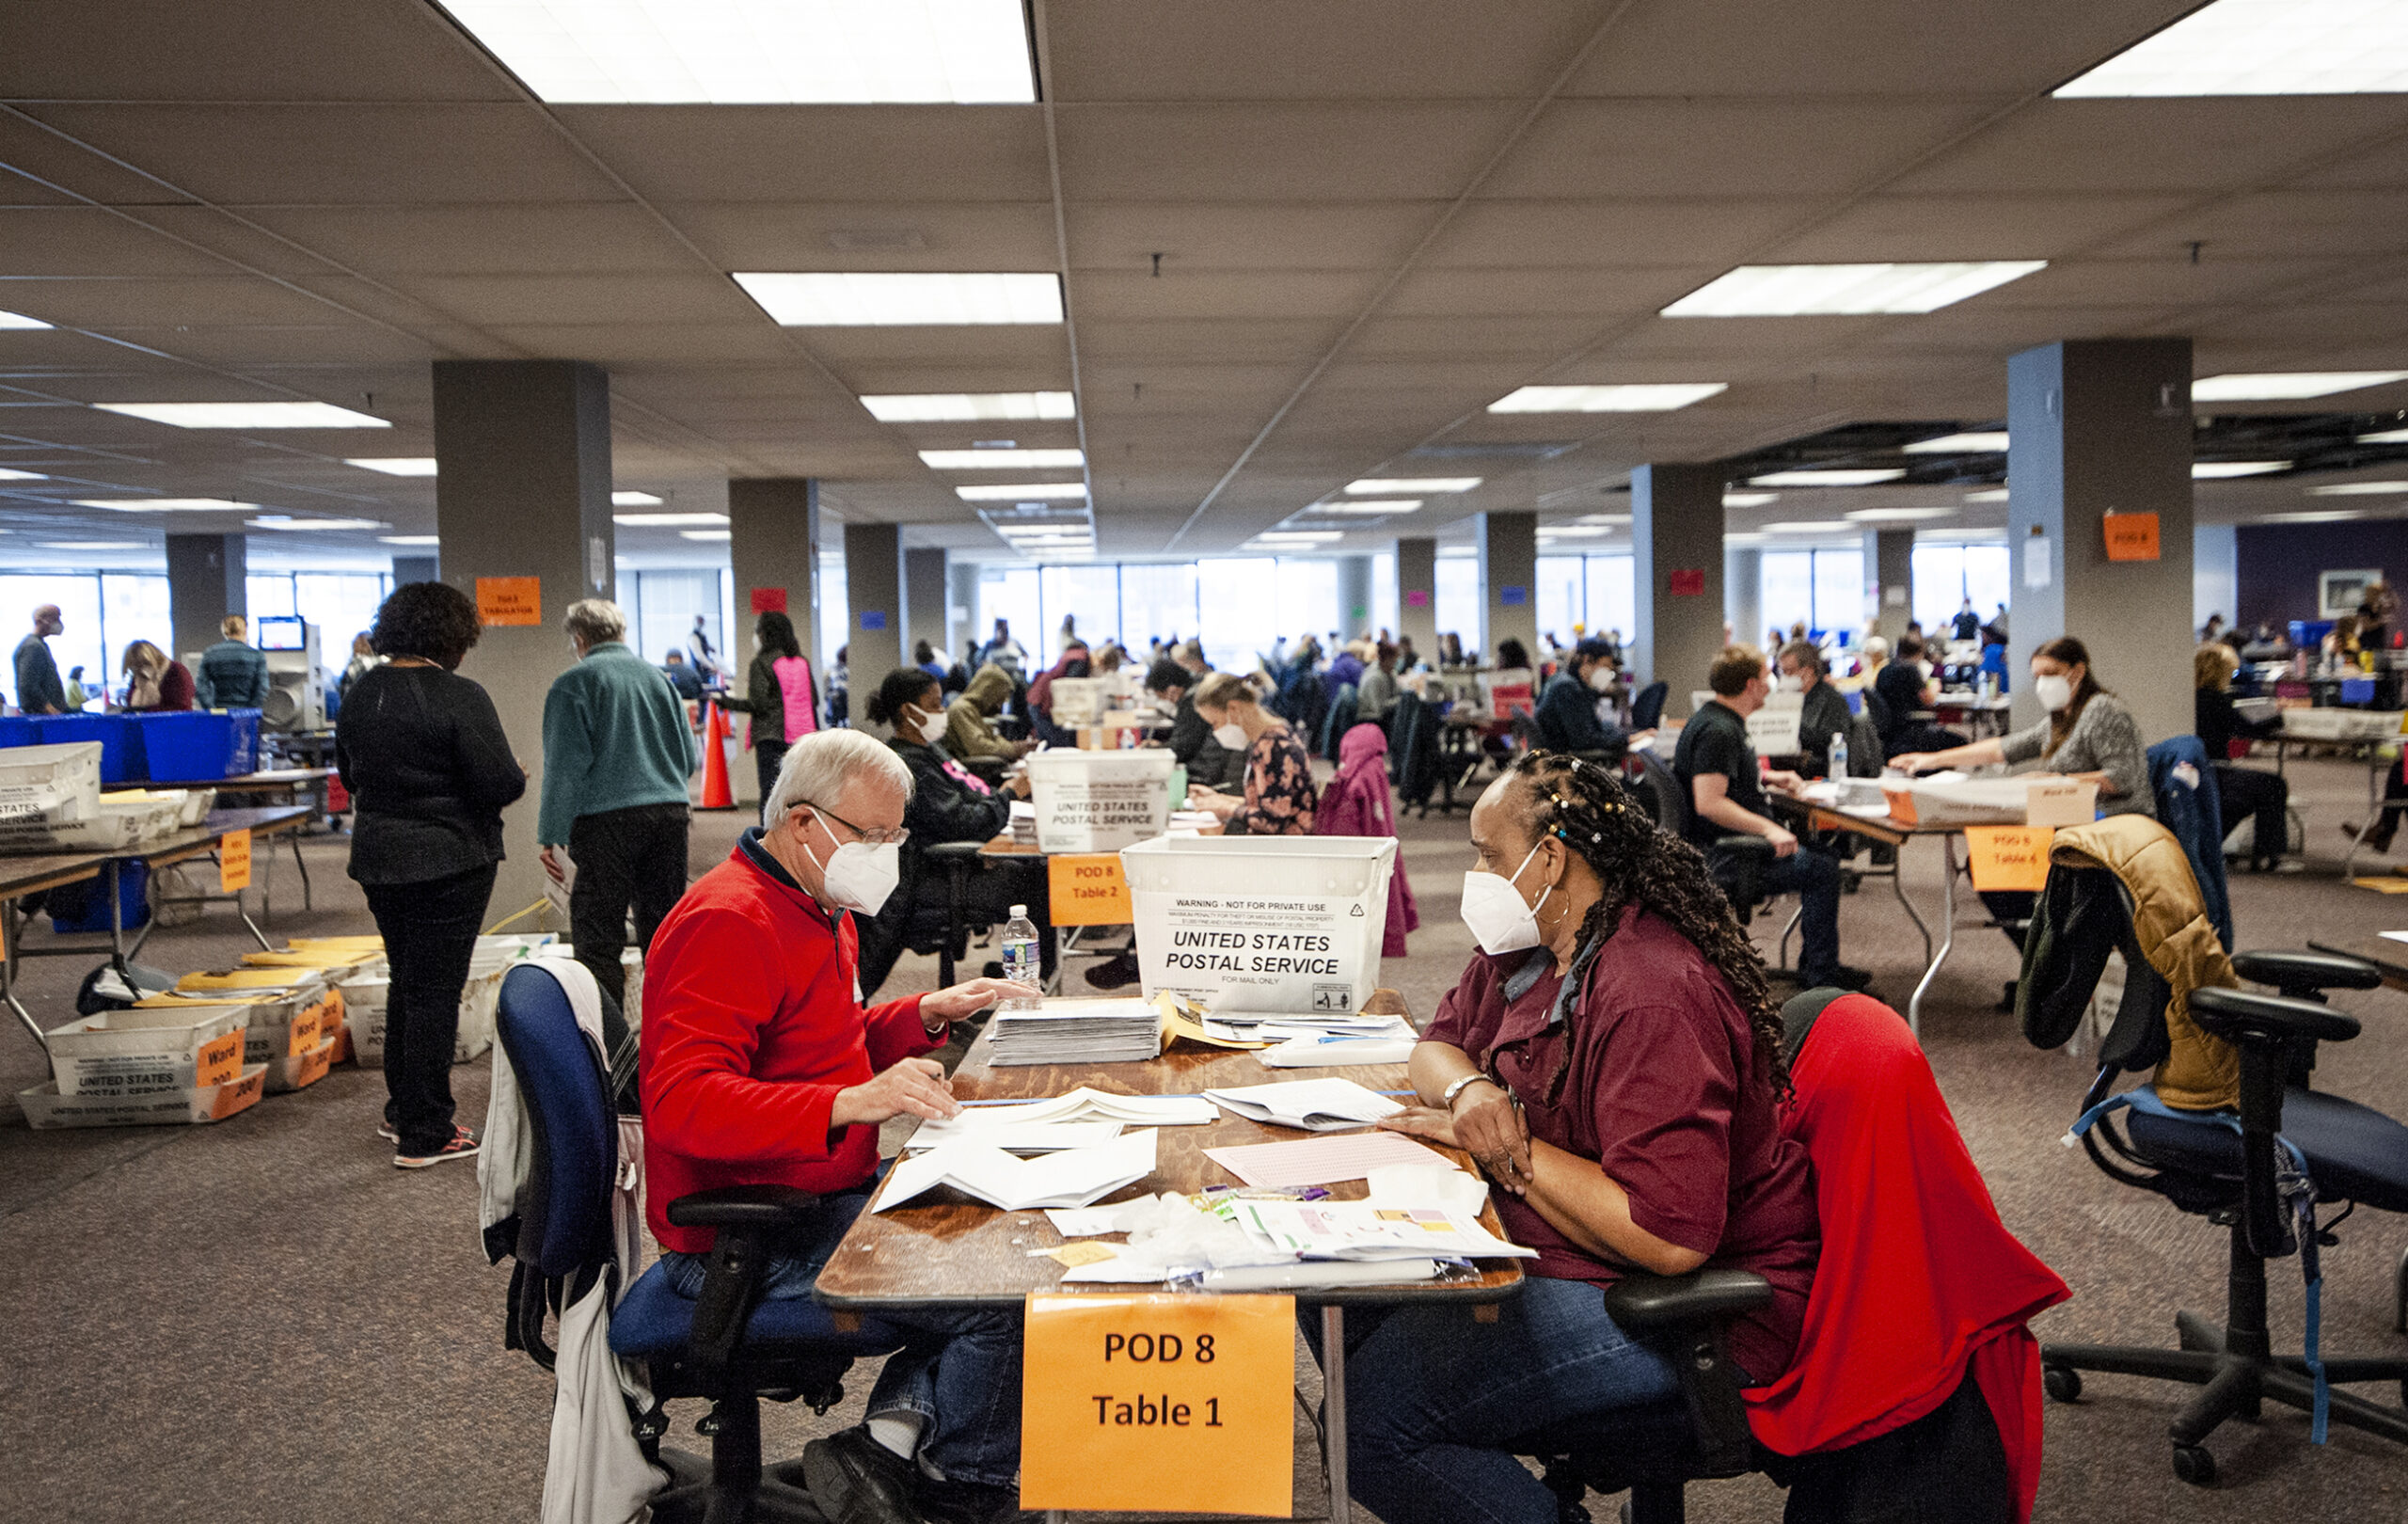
(92, 913)
(188, 745)
(123, 756)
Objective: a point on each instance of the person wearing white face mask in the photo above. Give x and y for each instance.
(1612, 1064)
(761, 1066)
(1572, 712)
(2087, 733)
(949, 803)
(1279, 798)
(1823, 714)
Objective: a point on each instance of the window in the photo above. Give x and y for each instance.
(103, 613)
(1823, 590)
(1838, 592)
(1383, 608)
(269, 596)
(1091, 595)
(662, 613)
(1613, 595)
(1562, 598)
(835, 608)
(342, 605)
(1237, 609)
(1939, 574)
(1459, 609)
(1309, 600)
(1157, 603)
(1009, 593)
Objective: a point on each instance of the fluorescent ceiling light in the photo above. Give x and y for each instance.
(1896, 515)
(758, 52)
(1020, 491)
(1988, 495)
(1458, 550)
(91, 545)
(1845, 290)
(2262, 47)
(1377, 485)
(1557, 532)
(2287, 385)
(2216, 471)
(19, 320)
(635, 499)
(1367, 507)
(410, 539)
(1850, 477)
(1810, 526)
(1614, 520)
(397, 465)
(1661, 397)
(282, 415)
(2357, 489)
(286, 521)
(1745, 539)
(1298, 536)
(7, 474)
(965, 406)
(169, 505)
(1747, 500)
(2387, 436)
(1980, 442)
(666, 520)
(885, 298)
(2326, 515)
(704, 534)
(1001, 460)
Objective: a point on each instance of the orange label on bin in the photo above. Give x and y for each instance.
(1088, 889)
(218, 1061)
(510, 600)
(2009, 857)
(1160, 1404)
(2132, 537)
(234, 860)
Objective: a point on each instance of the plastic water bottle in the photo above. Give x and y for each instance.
(1838, 770)
(1020, 958)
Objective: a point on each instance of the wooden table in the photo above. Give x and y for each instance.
(292, 783)
(1893, 834)
(950, 1249)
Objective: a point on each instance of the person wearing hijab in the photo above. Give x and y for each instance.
(1357, 804)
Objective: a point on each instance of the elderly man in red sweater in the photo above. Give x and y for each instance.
(761, 1066)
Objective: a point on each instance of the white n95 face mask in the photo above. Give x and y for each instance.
(858, 876)
(1601, 678)
(1786, 683)
(1231, 736)
(2054, 691)
(931, 728)
(1501, 920)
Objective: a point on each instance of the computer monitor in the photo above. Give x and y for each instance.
(284, 632)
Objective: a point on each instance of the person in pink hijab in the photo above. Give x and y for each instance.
(1357, 803)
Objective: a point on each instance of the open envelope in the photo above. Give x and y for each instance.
(1072, 1178)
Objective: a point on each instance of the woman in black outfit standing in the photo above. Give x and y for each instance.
(764, 695)
(429, 770)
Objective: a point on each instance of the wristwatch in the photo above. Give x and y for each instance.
(1446, 1096)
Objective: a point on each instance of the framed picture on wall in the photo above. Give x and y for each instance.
(2338, 591)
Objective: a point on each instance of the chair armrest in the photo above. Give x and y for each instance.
(1640, 1303)
(952, 851)
(742, 1206)
(1752, 845)
(2295, 973)
(2245, 1017)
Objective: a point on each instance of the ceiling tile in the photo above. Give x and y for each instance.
(1888, 227)
(1194, 236)
(269, 49)
(1332, 151)
(923, 235)
(1694, 147)
(851, 153)
(568, 238)
(2154, 146)
(1575, 296)
(1496, 234)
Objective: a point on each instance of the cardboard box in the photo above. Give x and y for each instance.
(294, 1072)
(139, 1052)
(45, 1108)
(1261, 923)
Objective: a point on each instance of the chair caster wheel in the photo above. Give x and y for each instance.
(2194, 1465)
(2062, 1383)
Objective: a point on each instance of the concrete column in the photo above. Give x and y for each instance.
(1353, 595)
(1889, 581)
(2100, 427)
(772, 540)
(924, 585)
(961, 630)
(523, 490)
(1676, 573)
(2215, 574)
(1743, 593)
(877, 632)
(417, 569)
(1417, 596)
(1509, 574)
(205, 584)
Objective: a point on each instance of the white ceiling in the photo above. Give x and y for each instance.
(1374, 218)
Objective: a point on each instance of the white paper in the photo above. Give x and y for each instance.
(1330, 1051)
(1316, 1105)
(1457, 1192)
(1365, 1230)
(1072, 1178)
(994, 1127)
(2036, 562)
(2397, 936)
(1087, 1105)
(1083, 1222)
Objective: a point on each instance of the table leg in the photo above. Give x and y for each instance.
(118, 953)
(303, 868)
(1795, 916)
(8, 971)
(1947, 932)
(1333, 1409)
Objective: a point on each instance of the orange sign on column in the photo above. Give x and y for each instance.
(2132, 537)
(510, 600)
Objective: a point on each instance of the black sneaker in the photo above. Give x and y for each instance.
(1114, 973)
(464, 1145)
(1837, 977)
(971, 1502)
(855, 1480)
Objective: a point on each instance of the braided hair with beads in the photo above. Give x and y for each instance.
(1636, 863)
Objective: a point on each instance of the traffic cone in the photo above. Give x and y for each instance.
(716, 794)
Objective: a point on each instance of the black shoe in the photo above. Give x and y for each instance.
(971, 1502)
(855, 1480)
(1114, 973)
(2006, 999)
(1837, 977)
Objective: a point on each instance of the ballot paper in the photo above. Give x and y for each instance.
(1316, 1105)
(1076, 1032)
(1084, 1222)
(1023, 829)
(1087, 1105)
(996, 1128)
(1366, 1230)
(1072, 1178)
(1288, 1275)
(1333, 1050)
(1320, 1161)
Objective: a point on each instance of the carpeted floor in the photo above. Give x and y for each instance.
(264, 1320)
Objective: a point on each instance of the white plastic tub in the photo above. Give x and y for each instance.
(123, 1053)
(1261, 923)
(1099, 802)
(53, 785)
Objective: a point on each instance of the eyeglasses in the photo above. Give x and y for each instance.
(875, 838)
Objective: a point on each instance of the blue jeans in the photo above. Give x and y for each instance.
(1813, 876)
(1433, 1396)
(959, 1369)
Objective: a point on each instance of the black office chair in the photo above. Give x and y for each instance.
(720, 1346)
(2234, 1167)
(929, 913)
(1647, 709)
(1738, 862)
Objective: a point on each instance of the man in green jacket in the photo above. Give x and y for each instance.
(617, 751)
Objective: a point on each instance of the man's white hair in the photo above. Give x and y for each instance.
(817, 768)
(594, 621)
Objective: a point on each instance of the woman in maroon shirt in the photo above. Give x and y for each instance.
(1612, 1062)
